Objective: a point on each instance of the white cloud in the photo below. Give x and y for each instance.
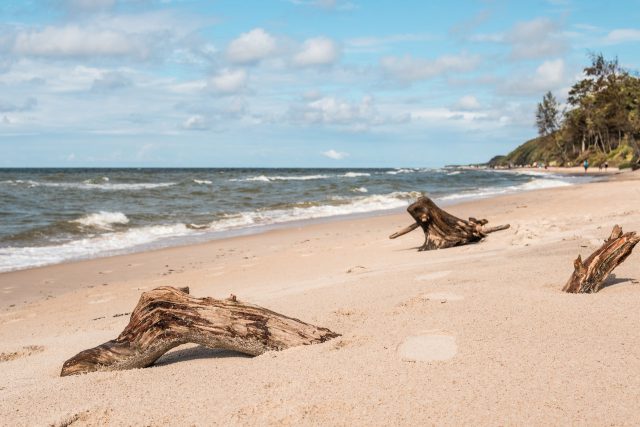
(196, 122)
(229, 81)
(549, 75)
(317, 51)
(468, 102)
(538, 38)
(144, 150)
(72, 41)
(409, 69)
(622, 35)
(90, 5)
(251, 47)
(374, 44)
(330, 110)
(335, 155)
(439, 114)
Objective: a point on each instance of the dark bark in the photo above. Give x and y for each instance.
(443, 230)
(167, 317)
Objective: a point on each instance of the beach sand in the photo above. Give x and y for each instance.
(479, 334)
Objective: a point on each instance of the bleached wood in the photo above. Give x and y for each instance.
(167, 317)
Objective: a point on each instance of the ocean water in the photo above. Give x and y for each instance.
(49, 216)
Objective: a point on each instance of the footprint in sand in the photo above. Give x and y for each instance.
(106, 298)
(23, 352)
(442, 296)
(428, 348)
(434, 275)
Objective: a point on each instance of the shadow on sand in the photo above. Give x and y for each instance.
(198, 352)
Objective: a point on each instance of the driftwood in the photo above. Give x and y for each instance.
(589, 275)
(443, 230)
(167, 317)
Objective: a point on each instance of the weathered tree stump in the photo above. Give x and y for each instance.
(167, 317)
(589, 275)
(443, 230)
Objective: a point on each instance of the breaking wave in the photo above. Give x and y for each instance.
(102, 220)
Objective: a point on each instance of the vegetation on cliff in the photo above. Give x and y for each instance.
(601, 122)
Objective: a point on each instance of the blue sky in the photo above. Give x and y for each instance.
(307, 83)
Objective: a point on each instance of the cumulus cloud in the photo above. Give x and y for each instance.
(467, 103)
(229, 81)
(317, 51)
(539, 38)
(74, 41)
(196, 122)
(548, 76)
(622, 35)
(409, 69)
(441, 113)
(251, 47)
(335, 155)
(330, 110)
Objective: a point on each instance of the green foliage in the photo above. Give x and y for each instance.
(601, 125)
(548, 115)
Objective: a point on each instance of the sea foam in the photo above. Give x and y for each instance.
(102, 220)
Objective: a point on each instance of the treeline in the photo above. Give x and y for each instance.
(601, 122)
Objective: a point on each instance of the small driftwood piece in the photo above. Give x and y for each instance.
(589, 275)
(167, 317)
(443, 230)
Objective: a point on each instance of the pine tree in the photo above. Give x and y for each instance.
(548, 115)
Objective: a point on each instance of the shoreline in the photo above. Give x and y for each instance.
(208, 235)
(506, 335)
(21, 279)
(227, 236)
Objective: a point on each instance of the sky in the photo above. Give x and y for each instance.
(290, 83)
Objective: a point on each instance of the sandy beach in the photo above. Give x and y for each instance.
(479, 334)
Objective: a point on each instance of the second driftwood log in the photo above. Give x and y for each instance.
(589, 275)
(443, 230)
(167, 317)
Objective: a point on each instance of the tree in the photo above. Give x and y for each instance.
(548, 115)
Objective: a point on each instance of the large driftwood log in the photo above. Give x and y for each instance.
(589, 275)
(167, 317)
(443, 230)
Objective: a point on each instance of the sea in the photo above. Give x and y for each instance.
(49, 216)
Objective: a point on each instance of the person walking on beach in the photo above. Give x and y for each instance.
(606, 166)
(586, 165)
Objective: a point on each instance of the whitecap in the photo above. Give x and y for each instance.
(535, 184)
(355, 174)
(265, 178)
(15, 258)
(89, 185)
(102, 220)
(360, 190)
